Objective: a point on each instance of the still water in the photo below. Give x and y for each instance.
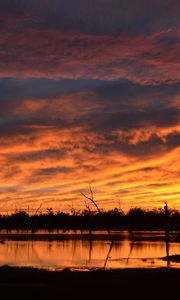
(57, 251)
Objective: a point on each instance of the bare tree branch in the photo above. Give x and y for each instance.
(98, 209)
(90, 199)
(38, 208)
(92, 196)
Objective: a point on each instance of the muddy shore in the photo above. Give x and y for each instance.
(26, 283)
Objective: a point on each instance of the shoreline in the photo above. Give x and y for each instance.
(116, 235)
(29, 283)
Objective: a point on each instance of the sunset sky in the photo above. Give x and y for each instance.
(89, 94)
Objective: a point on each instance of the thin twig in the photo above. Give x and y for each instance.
(91, 201)
(38, 208)
(108, 254)
(98, 209)
(130, 252)
(92, 195)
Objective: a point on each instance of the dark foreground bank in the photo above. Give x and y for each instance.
(23, 283)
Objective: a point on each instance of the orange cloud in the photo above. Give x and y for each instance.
(58, 164)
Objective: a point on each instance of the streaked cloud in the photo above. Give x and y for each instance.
(89, 93)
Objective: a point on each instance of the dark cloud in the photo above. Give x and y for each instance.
(76, 55)
(112, 106)
(54, 171)
(12, 89)
(153, 146)
(30, 157)
(173, 140)
(115, 17)
(90, 39)
(133, 119)
(120, 93)
(145, 149)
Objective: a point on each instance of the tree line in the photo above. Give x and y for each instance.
(115, 219)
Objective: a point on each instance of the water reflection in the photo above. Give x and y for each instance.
(87, 252)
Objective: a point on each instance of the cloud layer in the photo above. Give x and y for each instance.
(89, 92)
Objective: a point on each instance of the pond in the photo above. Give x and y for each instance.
(82, 251)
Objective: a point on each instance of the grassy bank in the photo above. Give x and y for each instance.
(24, 283)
